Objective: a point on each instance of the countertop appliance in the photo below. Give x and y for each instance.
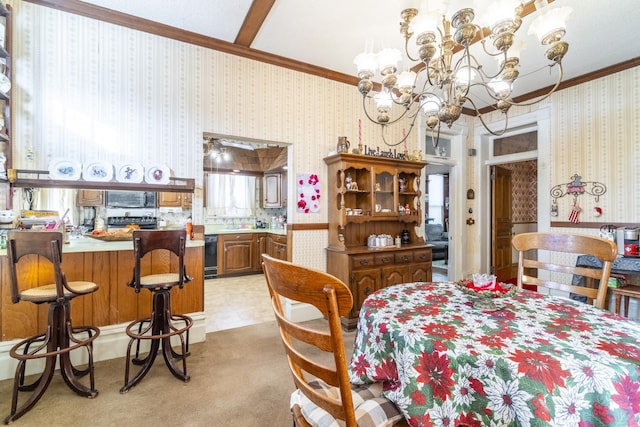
(131, 199)
(210, 256)
(631, 242)
(143, 222)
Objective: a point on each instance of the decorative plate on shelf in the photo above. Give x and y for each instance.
(500, 290)
(130, 172)
(5, 84)
(65, 169)
(98, 171)
(157, 174)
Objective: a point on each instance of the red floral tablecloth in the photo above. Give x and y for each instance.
(534, 360)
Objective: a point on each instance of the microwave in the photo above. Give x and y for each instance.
(130, 199)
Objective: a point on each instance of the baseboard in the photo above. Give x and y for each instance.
(111, 344)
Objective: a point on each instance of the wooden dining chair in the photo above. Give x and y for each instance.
(528, 245)
(323, 393)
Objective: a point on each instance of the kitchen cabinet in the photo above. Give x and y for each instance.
(241, 253)
(374, 196)
(261, 245)
(90, 198)
(272, 191)
(236, 254)
(277, 246)
(174, 200)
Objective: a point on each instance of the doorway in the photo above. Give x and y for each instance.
(514, 197)
(437, 217)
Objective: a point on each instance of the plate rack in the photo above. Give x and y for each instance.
(21, 178)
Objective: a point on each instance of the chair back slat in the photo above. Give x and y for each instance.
(333, 299)
(527, 245)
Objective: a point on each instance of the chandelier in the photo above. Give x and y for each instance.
(214, 149)
(446, 75)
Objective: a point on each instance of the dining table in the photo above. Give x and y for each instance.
(449, 356)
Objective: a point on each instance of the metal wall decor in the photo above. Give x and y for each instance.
(576, 187)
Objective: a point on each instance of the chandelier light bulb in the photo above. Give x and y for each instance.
(430, 104)
(366, 63)
(549, 22)
(388, 60)
(496, 12)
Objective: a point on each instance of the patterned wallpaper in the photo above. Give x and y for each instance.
(88, 90)
(524, 191)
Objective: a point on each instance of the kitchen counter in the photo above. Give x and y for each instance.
(89, 244)
(221, 229)
(110, 265)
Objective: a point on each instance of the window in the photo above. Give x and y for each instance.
(231, 195)
(515, 144)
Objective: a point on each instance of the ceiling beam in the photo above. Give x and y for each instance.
(252, 23)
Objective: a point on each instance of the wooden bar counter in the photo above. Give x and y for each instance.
(110, 265)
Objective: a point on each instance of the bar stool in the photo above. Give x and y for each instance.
(162, 324)
(60, 337)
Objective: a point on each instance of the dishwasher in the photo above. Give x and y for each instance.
(210, 256)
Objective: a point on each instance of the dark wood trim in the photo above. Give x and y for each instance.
(616, 68)
(307, 227)
(253, 21)
(568, 224)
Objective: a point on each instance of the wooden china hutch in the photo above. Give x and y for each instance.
(374, 196)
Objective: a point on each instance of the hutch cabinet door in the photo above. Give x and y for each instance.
(363, 283)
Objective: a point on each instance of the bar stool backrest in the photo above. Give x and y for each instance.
(46, 244)
(145, 241)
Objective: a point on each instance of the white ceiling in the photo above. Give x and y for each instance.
(330, 33)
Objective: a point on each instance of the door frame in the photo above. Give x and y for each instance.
(539, 120)
(457, 162)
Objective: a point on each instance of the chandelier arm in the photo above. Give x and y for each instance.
(435, 141)
(366, 112)
(492, 132)
(545, 96)
(406, 50)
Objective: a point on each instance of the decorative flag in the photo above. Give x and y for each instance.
(574, 215)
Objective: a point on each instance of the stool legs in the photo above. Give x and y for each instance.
(159, 331)
(59, 340)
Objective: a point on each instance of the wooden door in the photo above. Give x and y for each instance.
(501, 223)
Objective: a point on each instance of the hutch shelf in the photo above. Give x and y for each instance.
(374, 196)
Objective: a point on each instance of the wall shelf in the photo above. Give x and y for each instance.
(40, 179)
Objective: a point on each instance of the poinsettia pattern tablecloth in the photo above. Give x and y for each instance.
(536, 361)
